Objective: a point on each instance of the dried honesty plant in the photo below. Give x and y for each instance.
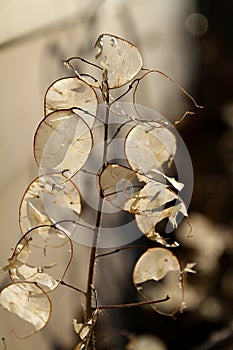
(86, 124)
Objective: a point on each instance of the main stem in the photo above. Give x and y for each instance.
(88, 309)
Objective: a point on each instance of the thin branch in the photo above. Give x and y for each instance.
(88, 172)
(90, 278)
(127, 91)
(88, 113)
(123, 191)
(69, 65)
(118, 130)
(140, 303)
(72, 287)
(117, 250)
(148, 71)
(71, 221)
(183, 117)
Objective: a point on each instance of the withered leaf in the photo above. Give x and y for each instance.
(119, 58)
(148, 146)
(154, 264)
(80, 329)
(189, 268)
(19, 258)
(177, 185)
(29, 302)
(34, 274)
(143, 196)
(47, 199)
(62, 142)
(162, 267)
(118, 184)
(147, 223)
(70, 93)
(84, 330)
(41, 244)
(150, 198)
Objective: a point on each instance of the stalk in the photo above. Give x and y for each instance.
(90, 278)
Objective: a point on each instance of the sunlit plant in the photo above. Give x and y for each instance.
(84, 123)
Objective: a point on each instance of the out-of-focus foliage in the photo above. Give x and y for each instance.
(147, 341)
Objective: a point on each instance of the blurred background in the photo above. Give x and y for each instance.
(192, 42)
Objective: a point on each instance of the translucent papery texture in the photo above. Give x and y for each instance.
(29, 302)
(41, 247)
(121, 187)
(63, 142)
(118, 184)
(121, 59)
(84, 330)
(150, 198)
(148, 146)
(154, 264)
(143, 196)
(156, 274)
(147, 223)
(72, 93)
(48, 199)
